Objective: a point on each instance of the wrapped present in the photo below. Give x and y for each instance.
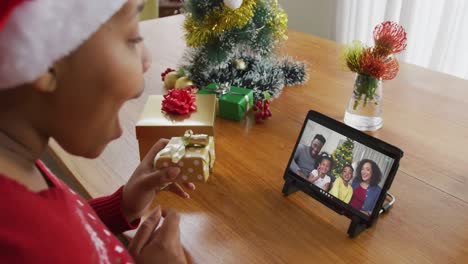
(155, 123)
(233, 102)
(193, 153)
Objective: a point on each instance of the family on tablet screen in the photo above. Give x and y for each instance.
(360, 191)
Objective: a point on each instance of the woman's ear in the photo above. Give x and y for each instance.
(46, 83)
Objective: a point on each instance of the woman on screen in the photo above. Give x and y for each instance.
(366, 188)
(319, 176)
(341, 187)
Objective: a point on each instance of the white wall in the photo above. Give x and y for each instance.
(315, 17)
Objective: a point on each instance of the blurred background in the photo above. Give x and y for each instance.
(437, 29)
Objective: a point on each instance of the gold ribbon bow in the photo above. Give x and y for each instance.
(176, 147)
(195, 140)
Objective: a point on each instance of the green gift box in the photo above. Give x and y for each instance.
(233, 102)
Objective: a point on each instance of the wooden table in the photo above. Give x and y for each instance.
(240, 216)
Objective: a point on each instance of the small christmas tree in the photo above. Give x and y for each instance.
(341, 156)
(232, 41)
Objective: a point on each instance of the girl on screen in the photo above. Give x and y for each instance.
(341, 188)
(365, 185)
(319, 177)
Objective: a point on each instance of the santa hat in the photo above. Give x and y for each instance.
(36, 33)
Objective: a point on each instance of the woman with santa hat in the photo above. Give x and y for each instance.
(66, 69)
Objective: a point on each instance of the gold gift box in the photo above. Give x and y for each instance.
(194, 154)
(155, 123)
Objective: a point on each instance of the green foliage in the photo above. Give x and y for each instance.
(200, 8)
(364, 86)
(262, 74)
(253, 43)
(352, 55)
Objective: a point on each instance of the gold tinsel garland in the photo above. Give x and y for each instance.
(279, 21)
(199, 33)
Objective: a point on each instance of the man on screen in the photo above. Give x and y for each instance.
(305, 157)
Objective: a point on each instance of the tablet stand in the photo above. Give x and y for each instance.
(289, 186)
(355, 228)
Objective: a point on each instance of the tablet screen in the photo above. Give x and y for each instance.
(341, 167)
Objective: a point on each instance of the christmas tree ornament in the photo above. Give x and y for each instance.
(233, 4)
(164, 73)
(240, 64)
(170, 80)
(183, 82)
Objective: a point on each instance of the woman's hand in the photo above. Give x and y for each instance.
(146, 182)
(161, 245)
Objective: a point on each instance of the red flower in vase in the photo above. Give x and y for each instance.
(374, 65)
(391, 68)
(390, 38)
(371, 64)
(179, 101)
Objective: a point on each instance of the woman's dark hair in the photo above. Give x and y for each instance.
(376, 172)
(349, 166)
(323, 156)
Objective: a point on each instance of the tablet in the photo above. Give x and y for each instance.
(343, 168)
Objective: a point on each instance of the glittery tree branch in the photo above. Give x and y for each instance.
(218, 37)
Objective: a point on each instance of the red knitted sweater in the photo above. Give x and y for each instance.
(58, 226)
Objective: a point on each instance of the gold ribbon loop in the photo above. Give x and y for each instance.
(176, 147)
(195, 140)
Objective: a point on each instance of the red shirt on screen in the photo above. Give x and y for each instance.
(359, 196)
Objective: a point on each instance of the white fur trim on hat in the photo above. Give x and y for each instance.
(40, 32)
